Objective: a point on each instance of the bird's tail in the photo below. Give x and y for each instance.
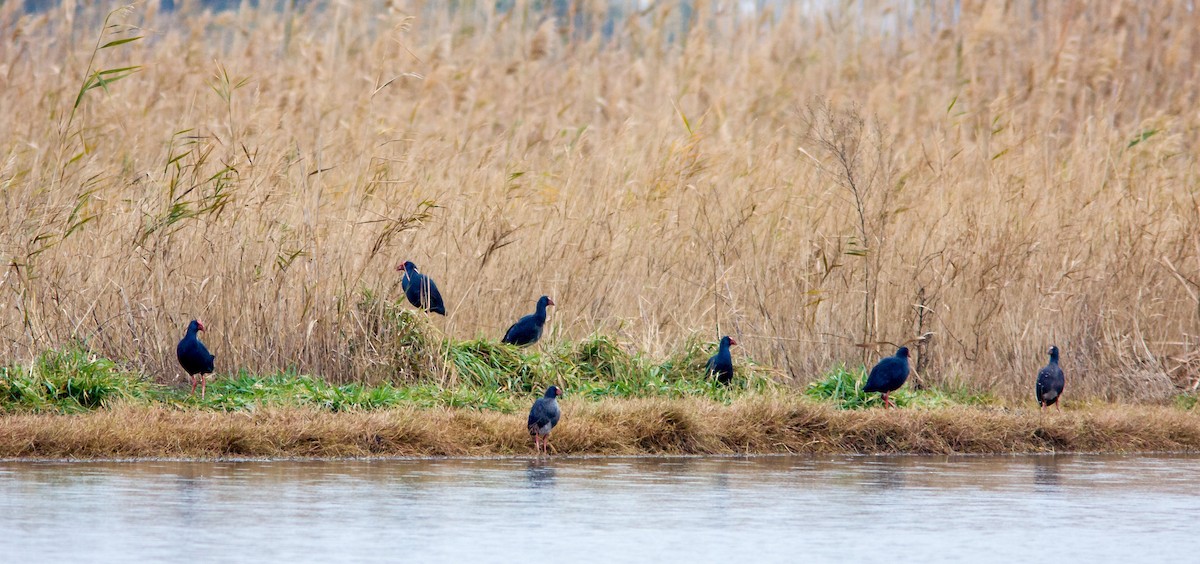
(1050, 396)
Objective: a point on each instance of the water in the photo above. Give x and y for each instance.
(773, 509)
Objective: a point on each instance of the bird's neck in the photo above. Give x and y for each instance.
(540, 313)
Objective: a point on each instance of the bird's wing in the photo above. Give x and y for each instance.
(874, 379)
(538, 414)
(1043, 382)
(1060, 380)
(518, 329)
(435, 297)
(510, 335)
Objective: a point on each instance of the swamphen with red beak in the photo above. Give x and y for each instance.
(543, 416)
(721, 363)
(194, 356)
(420, 290)
(888, 375)
(528, 329)
(1050, 382)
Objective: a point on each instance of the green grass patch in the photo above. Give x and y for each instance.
(599, 367)
(247, 392)
(475, 374)
(1186, 401)
(843, 388)
(69, 380)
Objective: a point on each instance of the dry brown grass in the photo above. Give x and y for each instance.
(610, 427)
(654, 187)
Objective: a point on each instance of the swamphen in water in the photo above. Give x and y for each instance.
(420, 290)
(528, 329)
(543, 416)
(888, 375)
(194, 356)
(1050, 382)
(721, 363)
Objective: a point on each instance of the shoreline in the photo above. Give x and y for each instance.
(755, 426)
(574, 457)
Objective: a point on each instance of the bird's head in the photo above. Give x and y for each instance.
(728, 341)
(197, 324)
(1053, 352)
(408, 266)
(902, 352)
(545, 301)
(553, 392)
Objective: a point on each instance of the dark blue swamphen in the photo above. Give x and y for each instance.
(543, 416)
(528, 329)
(888, 375)
(1050, 382)
(194, 356)
(420, 290)
(721, 363)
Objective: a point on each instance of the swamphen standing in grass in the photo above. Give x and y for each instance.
(194, 356)
(888, 375)
(721, 363)
(420, 290)
(1050, 382)
(543, 416)
(528, 329)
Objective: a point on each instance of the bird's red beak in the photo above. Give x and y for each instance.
(400, 267)
(549, 301)
(199, 325)
(732, 342)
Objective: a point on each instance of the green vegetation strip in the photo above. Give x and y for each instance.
(482, 375)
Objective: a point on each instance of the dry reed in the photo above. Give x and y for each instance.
(264, 167)
(610, 427)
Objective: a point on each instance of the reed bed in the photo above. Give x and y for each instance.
(821, 184)
(761, 425)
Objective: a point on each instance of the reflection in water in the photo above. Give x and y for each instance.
(539, 473)
(1046, 472)
(825, 509)
(883, 474)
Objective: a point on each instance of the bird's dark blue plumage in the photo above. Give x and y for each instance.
(1050, 381)
(721, 364)
(528, 329)
(193, 355)
(420, 290)
(543, 416)
(888, 375)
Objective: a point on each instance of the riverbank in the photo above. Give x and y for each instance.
(762, 425)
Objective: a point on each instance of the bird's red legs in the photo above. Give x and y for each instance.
(193, 379)
(1058, 406)
(885, 401)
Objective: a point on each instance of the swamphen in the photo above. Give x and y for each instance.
(1050, 382)
(721, 363)
(194, 356)
(888, 375)
(420, 290)
(528, 329)
(543, 416)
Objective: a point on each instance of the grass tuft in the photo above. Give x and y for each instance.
(69, 380)
(843, 388)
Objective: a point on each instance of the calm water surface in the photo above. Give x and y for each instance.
(772, 509)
